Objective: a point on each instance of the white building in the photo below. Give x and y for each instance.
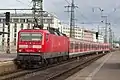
(81, 33)
(77, 31)
(23, 21)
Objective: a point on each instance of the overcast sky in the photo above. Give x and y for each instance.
(83, 13)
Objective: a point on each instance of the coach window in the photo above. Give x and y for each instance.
(84, 46)
(92, 46)
(96, 46)
(88, 46)
(76, 46)
(71, 45)
(80, 45)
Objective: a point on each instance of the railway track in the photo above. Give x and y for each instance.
(53, 72)
(66, 73)
(21, 72)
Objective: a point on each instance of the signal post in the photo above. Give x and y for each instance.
(7, 21)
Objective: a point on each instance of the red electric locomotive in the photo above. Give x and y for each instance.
(40, 46)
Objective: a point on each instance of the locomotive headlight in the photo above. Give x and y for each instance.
(37, 46)
(20, 50)
(39, 51)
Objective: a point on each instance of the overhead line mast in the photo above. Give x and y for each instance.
(38, 13)
(72, 17)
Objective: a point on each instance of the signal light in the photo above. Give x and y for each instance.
(97, 35)
(7, 17)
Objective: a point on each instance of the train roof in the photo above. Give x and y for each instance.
(34, 30)
(74, 39)
(44, 31)
(86, 41)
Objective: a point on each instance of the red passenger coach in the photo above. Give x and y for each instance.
(79, 47)
(36, 47)
(40, 45)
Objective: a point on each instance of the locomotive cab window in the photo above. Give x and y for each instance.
(27, 36)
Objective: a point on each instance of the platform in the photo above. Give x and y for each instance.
(7, 63)
(105, 68)
(7, 57)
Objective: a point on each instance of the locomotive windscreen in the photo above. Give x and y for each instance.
(30, 36)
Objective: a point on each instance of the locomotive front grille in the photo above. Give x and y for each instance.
(29, 57)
